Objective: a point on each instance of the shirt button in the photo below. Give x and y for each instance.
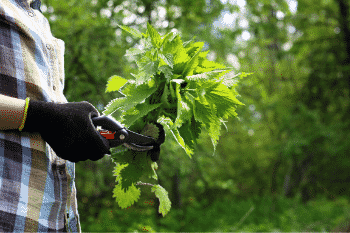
(31, 14)
(48, 47)
(54, 88)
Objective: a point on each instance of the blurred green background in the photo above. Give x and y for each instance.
(282, 166)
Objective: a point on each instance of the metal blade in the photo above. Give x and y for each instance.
(138, 139)
(135, 147)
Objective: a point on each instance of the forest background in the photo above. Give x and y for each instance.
(282, 166)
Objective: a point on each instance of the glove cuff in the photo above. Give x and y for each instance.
(25, 114)
(37, 115)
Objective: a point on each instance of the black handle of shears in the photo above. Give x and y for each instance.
(109, 123)
(128, 138)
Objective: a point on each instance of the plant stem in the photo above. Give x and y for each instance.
(141, 183)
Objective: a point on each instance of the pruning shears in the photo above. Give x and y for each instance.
(118, 135)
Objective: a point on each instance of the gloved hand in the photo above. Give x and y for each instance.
(156, 131)
(68, 129)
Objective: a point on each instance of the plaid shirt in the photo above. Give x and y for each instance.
(37, 188)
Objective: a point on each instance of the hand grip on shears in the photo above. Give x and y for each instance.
(121, 135)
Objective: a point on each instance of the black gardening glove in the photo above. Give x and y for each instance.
(68, 129)
(156, 131)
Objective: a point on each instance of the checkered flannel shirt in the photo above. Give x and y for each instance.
(37, 188)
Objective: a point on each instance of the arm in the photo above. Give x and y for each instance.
(11, 112)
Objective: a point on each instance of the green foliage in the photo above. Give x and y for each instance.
(115, 83)
(151, 130)
(176, 86)
(162, 195)
(227, 215)
(256, 215)
(204, 95)
(310, 68)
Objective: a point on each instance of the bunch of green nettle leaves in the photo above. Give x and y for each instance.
(176, 86)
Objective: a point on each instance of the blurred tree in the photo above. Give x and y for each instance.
(324, 30)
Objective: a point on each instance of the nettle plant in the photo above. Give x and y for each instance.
(176, 86)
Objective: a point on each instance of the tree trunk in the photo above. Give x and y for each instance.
(177, 203)
(296, 175)
(344, 25)
(289, 185)
(274, 175)
(274, 183)
(148, 9)
(308, 190)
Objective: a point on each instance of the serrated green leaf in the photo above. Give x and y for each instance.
(118, 168)
(203, 55)
(190, 97)
(169, 125)
(172, 91)
(133, 172)
(167, 71)
(168, 59)
(223, 122)
(215, 134)
(147, 69)
(184, 112)
(175, 47)
(189, 43)
(214, 74)
(135, 95)
(132, 31)
(206, 113)
(204, 65)
(168, 38)
(128, 198)
(134, 51)
(194, 48)
(150, 169)
(121, 156)
(151, 130)
(141, 77)
(230, 81)
(205, 101)
(114, 105)
(198, 45)
(162, 195)
(155, 37)
(191, 65)
(144, 59)
(185, 131)
(224, 100)
(151, 68)
(115, 83)
(165, 95)
(195, 129)
(138, 112)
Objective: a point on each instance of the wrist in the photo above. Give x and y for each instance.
(24, 114)
(35, 115)
(11, 112)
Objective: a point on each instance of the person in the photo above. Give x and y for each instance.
(42, 136)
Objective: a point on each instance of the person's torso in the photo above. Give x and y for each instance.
(37, 188)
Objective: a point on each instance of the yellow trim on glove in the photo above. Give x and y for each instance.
(25, 114)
